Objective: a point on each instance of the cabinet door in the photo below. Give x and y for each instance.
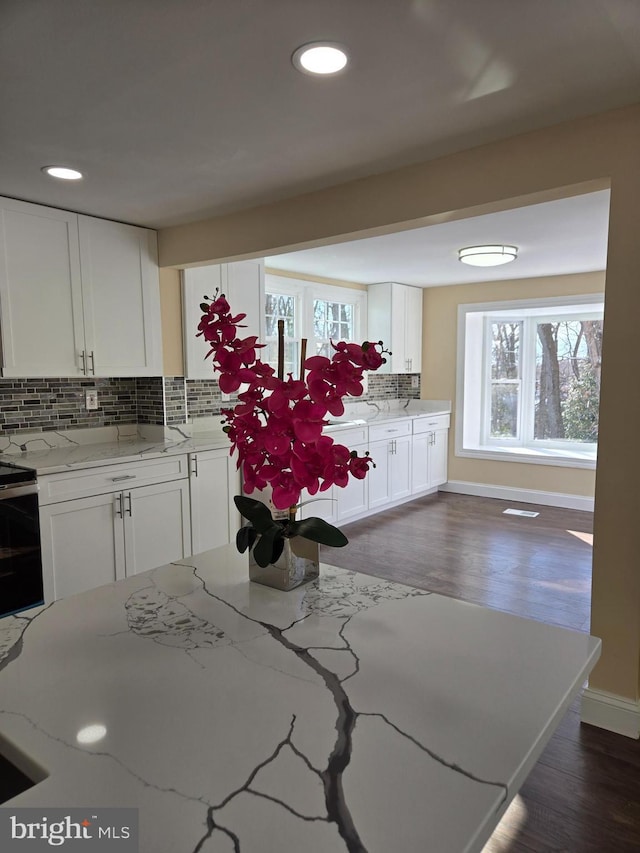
(82, 545)
(156, 525)
(323, 505)
(212, 484)
(401, 468)
(438, 457)
(40, 291)
(420, 463)
(398, 341)
(245, 292)
(197, 283)
(353, 499)
(380, 477)
(121, 298)
(413, 329)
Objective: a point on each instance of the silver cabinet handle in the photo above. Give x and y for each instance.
(128, 497)
(432, 438)
(393, 430)
(194, 464)
(83, 356)
(123, 477)
(118, 505)
(93, 363)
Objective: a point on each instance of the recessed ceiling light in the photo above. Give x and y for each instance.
(487, 256)
(62, 172)
(320, 57)
(92, 733)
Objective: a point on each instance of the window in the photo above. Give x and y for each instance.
(282, 306)
(319, 312)
(332, 321)
(529, 380)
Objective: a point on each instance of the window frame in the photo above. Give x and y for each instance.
(306, 292)
(474, 439)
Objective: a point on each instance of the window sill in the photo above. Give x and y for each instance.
(562, 458)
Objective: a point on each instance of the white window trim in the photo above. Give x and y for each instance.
(307, 291)
(544, 453)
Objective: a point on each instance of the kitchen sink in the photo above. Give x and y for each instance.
(18, 772)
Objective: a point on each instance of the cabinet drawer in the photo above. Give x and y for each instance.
(350, 436)
(390, 429)
(68, 485)
(428, 423)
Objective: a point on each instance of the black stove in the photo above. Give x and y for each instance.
(15, 474)
(20, 555)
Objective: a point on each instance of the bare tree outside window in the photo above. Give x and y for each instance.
(505, 379)
(332, 321)
(280, 306)
(567, 392)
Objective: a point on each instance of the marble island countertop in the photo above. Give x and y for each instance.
(349, 714)
(51, 453)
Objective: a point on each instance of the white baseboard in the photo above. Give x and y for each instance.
(529, 496)
(611, 712)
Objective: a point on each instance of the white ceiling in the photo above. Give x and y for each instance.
(553, 238)
(181, 109)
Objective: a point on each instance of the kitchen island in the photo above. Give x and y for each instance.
(349, 714)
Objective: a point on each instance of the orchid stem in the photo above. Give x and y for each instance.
(303, 356)
(281, 349)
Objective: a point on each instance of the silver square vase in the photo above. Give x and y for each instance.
(298, 563)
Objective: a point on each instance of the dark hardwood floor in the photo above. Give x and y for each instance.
(583, 795)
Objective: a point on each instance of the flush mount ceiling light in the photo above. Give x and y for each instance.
(487, 256)
(62, 172)
(320, 57)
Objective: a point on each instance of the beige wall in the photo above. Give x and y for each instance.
(171, 316)
(439, 354)
(589, 153)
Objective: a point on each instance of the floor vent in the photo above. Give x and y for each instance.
(526, 512)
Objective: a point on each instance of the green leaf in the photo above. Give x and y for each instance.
(256, 512)
(266, 545)
(278, 548)
(245, 537)
(318, 530)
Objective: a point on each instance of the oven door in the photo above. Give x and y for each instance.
(20, 559)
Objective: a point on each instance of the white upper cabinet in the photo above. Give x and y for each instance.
(242, 282)
(395, 317)
(40, 291)
(122, 326)
(78, 295)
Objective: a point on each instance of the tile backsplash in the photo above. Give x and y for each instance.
(28, 405)
(44, 405)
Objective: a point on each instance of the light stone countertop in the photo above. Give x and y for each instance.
(72, 454)
(349, 714)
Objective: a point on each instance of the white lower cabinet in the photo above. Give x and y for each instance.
(430, 450)
(321, 505)
(157, 526)
(213, 481)
(82, 545)
(438, 458)
(90, 541)
(390, 480)
(353, 500)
